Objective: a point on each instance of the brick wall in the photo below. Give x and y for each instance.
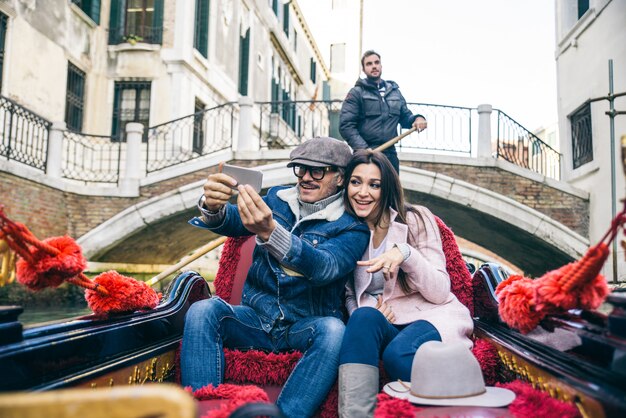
(40, 208)
(570, 210)
(50, 212)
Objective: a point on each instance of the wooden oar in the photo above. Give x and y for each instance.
(392, 141)
(182, 263)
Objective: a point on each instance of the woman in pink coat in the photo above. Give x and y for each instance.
(400, 296)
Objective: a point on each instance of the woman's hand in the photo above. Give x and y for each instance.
(385, 309)
(389, 262)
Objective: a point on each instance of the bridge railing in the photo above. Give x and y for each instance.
(452, 130)
(90, 158)
(191, 136)
(23, 134)
(284, 124)
(519, 146)
(449, 129)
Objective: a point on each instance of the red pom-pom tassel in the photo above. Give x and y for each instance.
(46, 269)
(517, 305)
(125, 294)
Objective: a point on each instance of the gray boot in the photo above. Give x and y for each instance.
(358, 387)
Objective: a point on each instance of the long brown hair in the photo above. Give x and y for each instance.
(391, 195)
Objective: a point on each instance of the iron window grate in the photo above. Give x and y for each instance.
(582, 141)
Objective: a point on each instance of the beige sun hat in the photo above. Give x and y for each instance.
(448, 375)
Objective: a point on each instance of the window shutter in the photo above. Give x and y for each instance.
(313, 71)
(115, 122)
(116, 21)
(157, 22)
(244, 58)
(201, 38)
(94, 11)
(286, 19)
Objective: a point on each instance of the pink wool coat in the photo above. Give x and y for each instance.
(426, 272)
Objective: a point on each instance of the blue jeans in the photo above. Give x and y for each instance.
(212, 324)
(368, 333)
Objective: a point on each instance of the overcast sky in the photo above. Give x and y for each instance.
(469, 52)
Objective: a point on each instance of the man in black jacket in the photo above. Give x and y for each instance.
(373, 108)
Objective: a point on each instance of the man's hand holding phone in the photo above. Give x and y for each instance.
(255, 215)
(221, 186)
(218, 188)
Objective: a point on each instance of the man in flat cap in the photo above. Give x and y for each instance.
(306, 248)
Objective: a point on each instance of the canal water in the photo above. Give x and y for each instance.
(32, 315)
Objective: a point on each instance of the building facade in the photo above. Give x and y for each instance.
(99, 64)
(589, 34)
(338, 29)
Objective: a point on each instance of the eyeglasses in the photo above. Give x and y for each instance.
(317, 173)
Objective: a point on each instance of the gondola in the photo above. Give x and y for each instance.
(142, 347)
(93, 351)
(590, 372)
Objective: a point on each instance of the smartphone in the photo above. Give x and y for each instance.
(245, 176)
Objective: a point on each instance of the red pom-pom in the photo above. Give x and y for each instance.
(51, 270)
(517, 303)
(125, 294)
(593, 294)
(551, 293)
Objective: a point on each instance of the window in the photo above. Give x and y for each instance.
(3, 34)
(74, 98)
(583, 6)
(283, 97)
(244, 58)
(275, 7)
(313, 71)
(136, 21)
(338, 58)
(90, 7)
(582, 149)
(198, 127)
(130, 104)
(201, 28)
(286, 19)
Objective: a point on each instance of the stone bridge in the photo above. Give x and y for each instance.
(534, 222)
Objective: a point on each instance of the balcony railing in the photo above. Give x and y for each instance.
(143, 34)
(23, 135)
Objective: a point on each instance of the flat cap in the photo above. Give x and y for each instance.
(321, 151)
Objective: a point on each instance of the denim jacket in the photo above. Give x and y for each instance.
(325, 247)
